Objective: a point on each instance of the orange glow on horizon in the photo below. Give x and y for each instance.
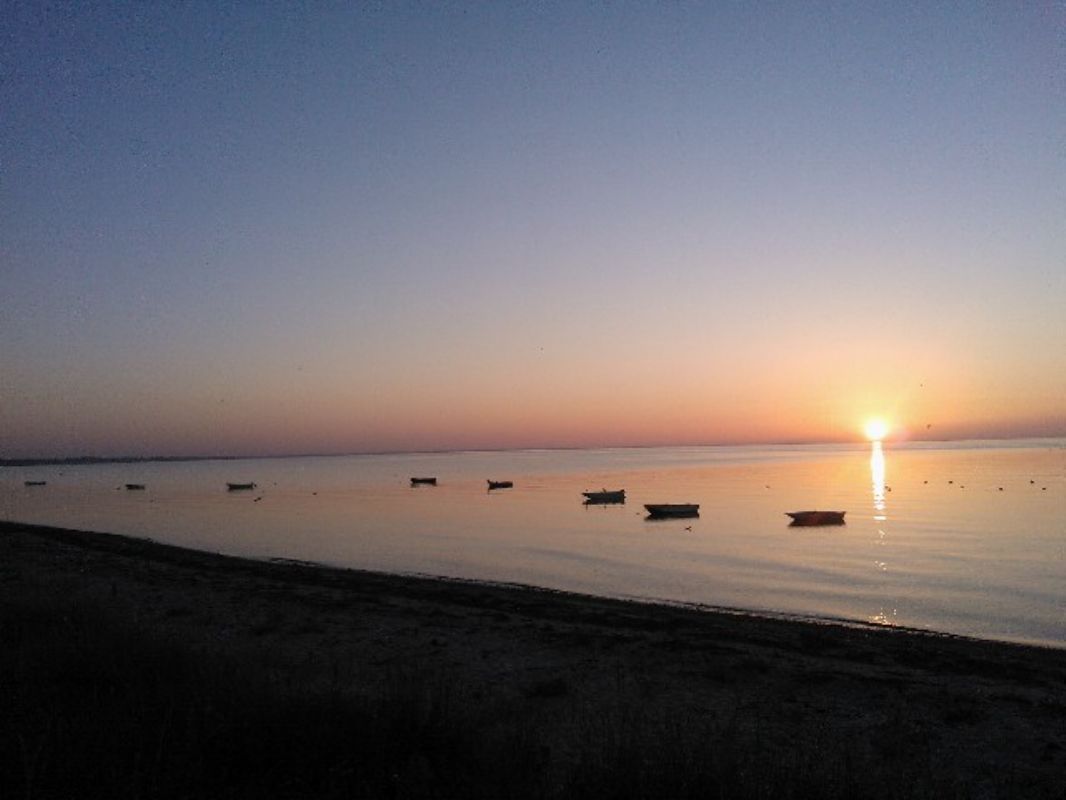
(876, 429)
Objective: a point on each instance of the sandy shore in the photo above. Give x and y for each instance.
(974, 710)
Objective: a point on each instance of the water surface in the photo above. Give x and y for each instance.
(962, 538)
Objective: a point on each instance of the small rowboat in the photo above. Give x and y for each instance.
(423, 481)
(672, 510)
(816, 517)
(605, 496)
(134, 487)
(35, 483)
(239, 487)
(500, 485)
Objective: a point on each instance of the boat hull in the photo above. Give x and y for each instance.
(672, 510)
(815, 518)
(500, 485)
(239, 487)
(605, 497)
(423, 481)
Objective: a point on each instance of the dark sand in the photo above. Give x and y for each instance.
(973, 711)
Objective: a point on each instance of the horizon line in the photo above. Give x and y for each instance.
(130, 459)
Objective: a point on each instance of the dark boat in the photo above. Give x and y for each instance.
(605, 496)
(672, 510)
(35, 483)
(500, 485)
(423, 481)
(812, 518)
(135, 487)
(239, 487)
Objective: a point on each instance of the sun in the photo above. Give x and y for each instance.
(876, 429)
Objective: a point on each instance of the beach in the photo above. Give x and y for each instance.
(571, 679)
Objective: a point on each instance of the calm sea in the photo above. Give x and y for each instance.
(965, 538)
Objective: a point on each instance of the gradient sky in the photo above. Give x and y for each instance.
(266, 228)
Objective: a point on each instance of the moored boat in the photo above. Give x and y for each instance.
(816, 517)
(35, 483)
(134, 487)
(605, 496)
(500, 485)
(239, 487)
(672, 510)
(423, 481)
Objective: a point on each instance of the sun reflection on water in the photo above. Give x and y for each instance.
(877, 482)
(877, 477)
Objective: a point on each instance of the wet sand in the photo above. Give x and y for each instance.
(972, 710)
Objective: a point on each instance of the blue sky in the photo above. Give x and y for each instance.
(278, 228)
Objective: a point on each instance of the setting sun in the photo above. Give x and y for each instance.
(876, 429)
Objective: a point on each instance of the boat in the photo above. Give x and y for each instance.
(605, 496)
(239, 487)
(816, 517)
(135, 487)
(500, 485)
(35, 483)
(672, 510)
(423, 481)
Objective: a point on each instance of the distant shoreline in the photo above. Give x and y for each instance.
(93, 460)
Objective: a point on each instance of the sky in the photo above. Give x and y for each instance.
(267, 228)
